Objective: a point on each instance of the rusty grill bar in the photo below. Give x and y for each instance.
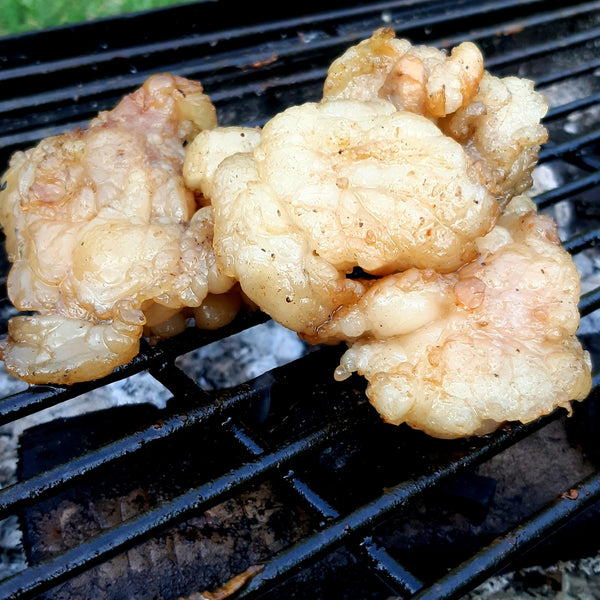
(253, 63)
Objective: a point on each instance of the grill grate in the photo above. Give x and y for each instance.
(254, 64)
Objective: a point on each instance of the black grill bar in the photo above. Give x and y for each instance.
(19, 494)
(365, 518)
(409, 16)
(309, 497)
(210, 407)
(562, 75)
(589, 302)
(544, 49)
(206, 62)
(570, 107)
(529, 533)
(570, 147)
(388, 569)
(564, 192)
(39, 397)
(582, 241)
(43, 576)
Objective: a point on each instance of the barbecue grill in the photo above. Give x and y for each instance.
(282, 470)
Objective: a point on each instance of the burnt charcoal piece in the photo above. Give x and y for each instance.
(199, 554)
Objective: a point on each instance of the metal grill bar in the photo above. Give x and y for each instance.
(529, 533)
(369, 515)
(308, 495)
(25, 492)
(442, 13)
(42, 577)
(32, 490)
(570, 107)
(284, 50)
(385, 566)
(388, 569)
(550, 151)
(544, 49)
(311, 498)
(561, 75)
(583, 241)
(568, 191)
(39, 397)
(589, 302)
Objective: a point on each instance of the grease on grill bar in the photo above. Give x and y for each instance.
(291, 470)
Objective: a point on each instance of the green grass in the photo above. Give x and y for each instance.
(18, 16)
